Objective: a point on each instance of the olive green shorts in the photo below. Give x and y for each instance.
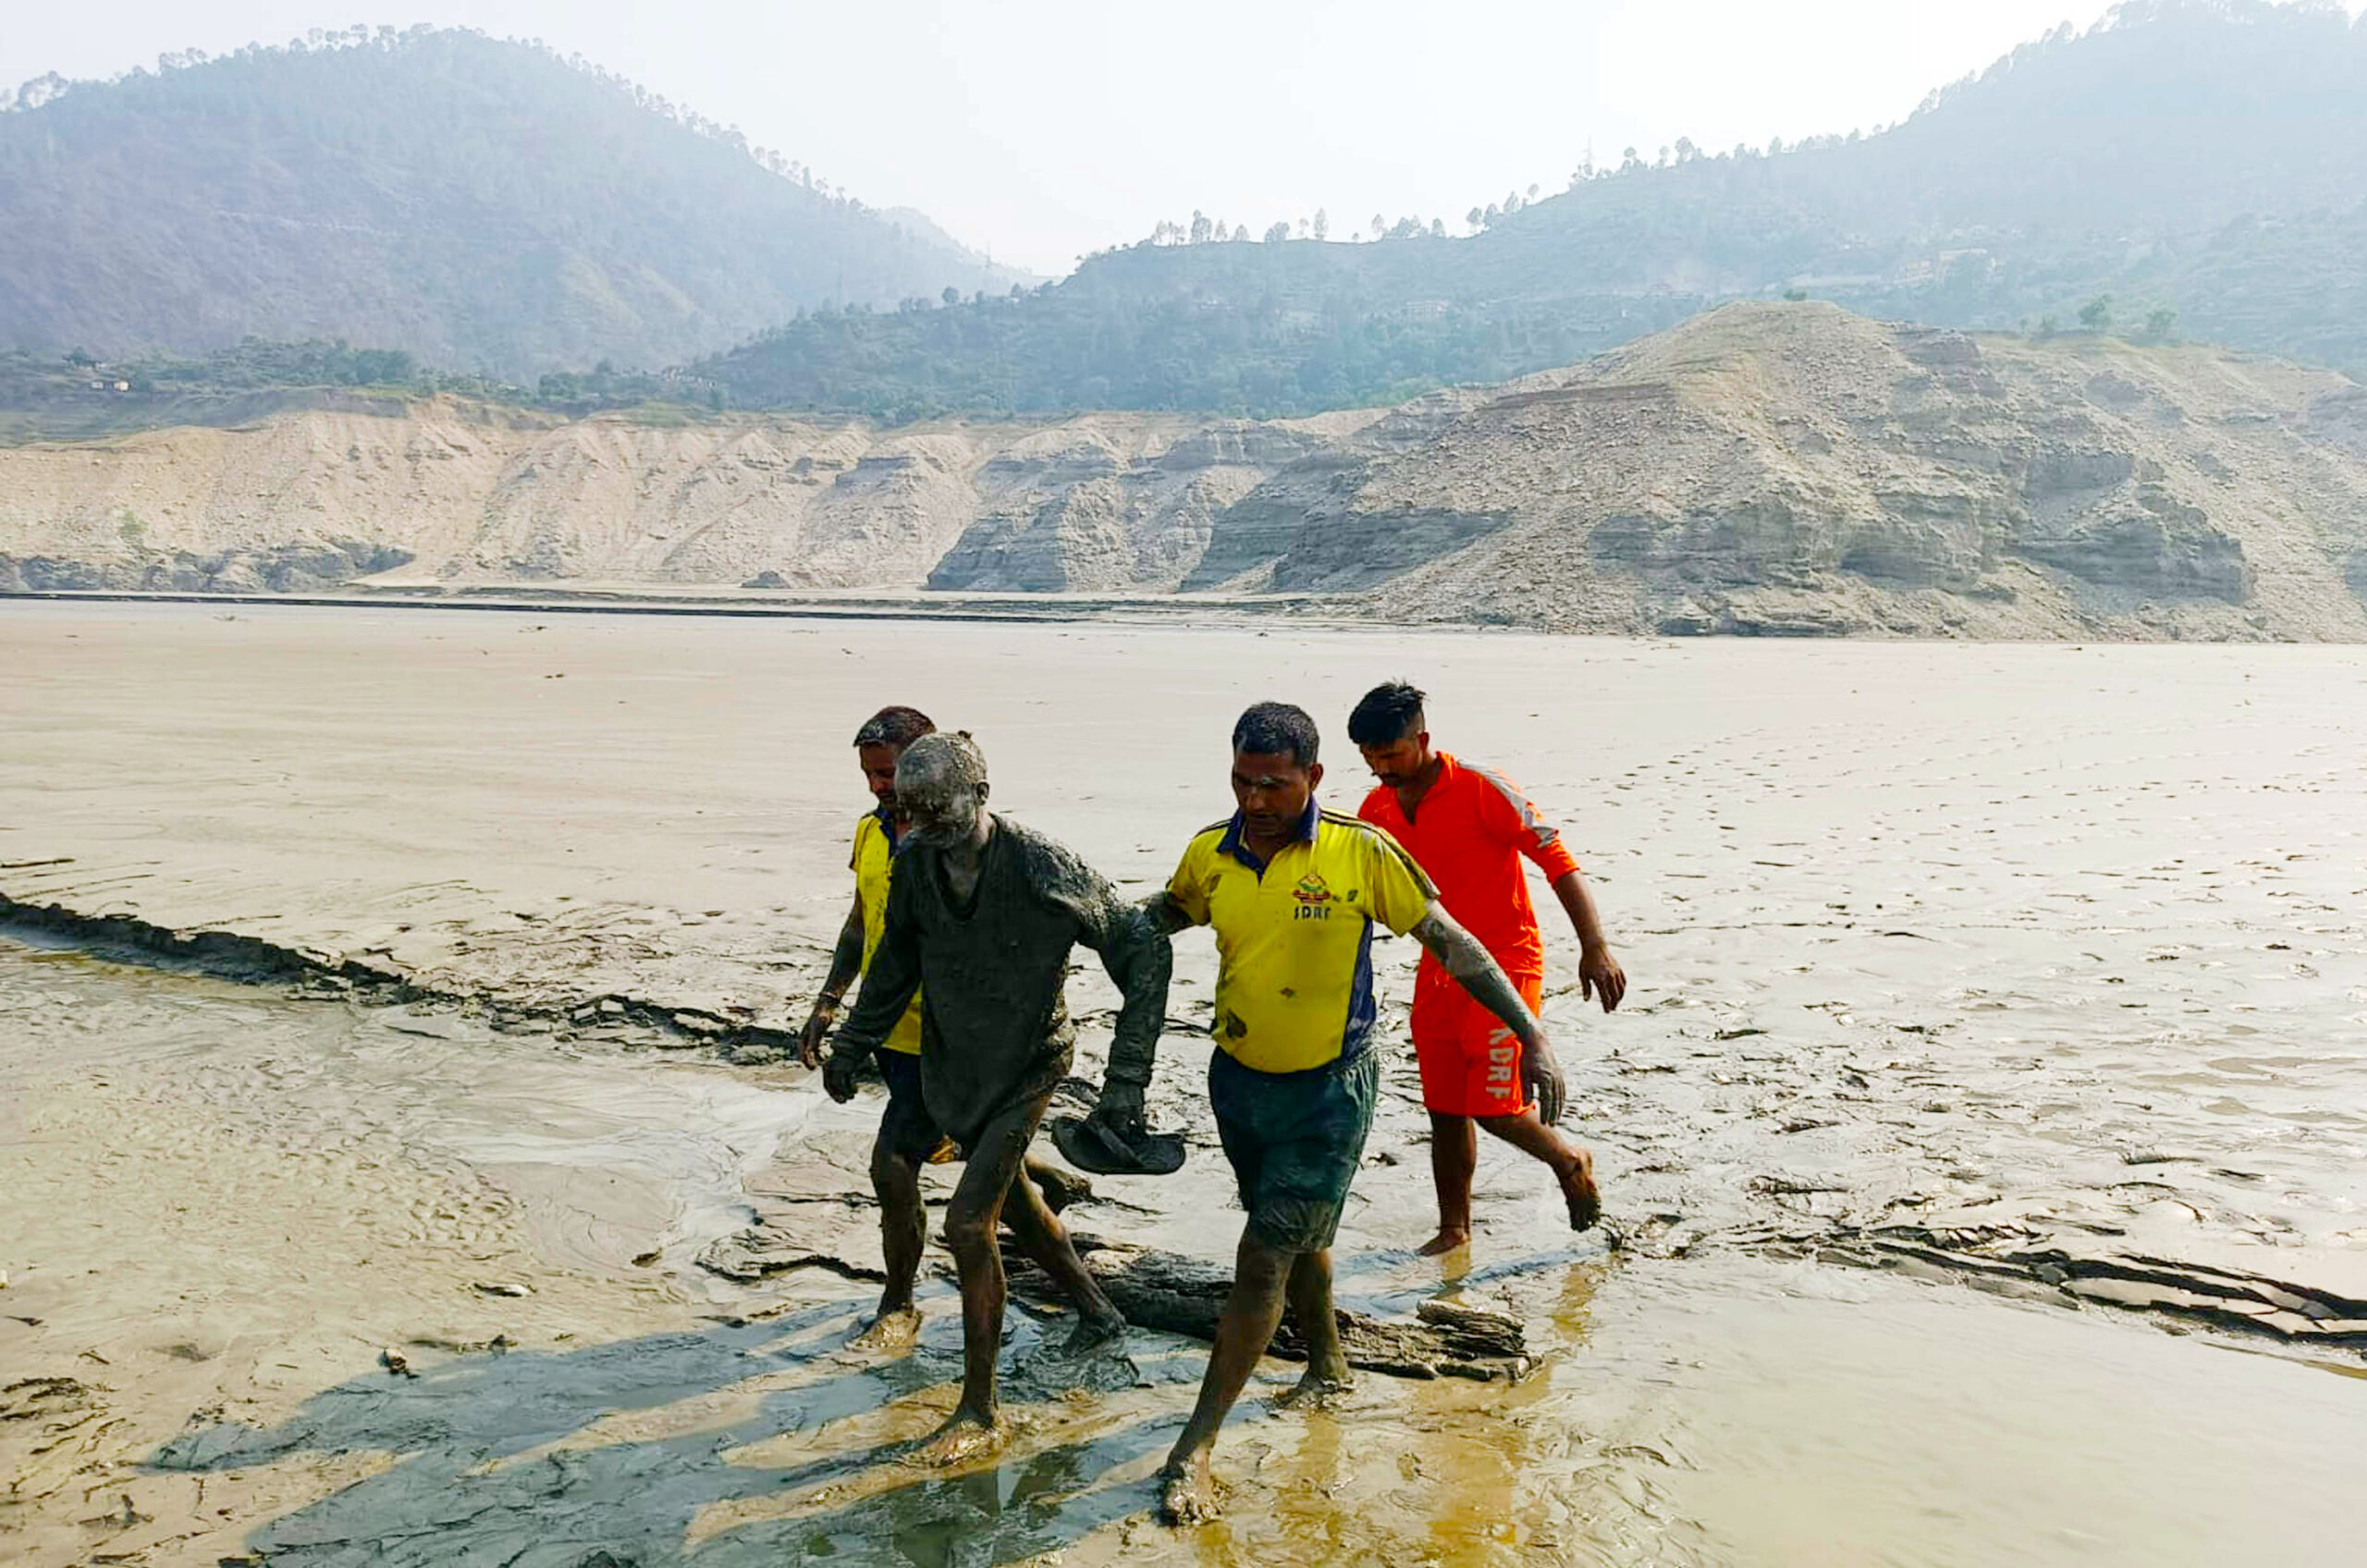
(1294, 1140)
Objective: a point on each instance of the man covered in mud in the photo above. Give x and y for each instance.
(907, 1136)
(982, 915)
(1468, 827)
(1294, 893)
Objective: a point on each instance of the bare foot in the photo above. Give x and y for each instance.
(1187, 1495)
(966, 1435)
(1095, 1333)
(1586, 1203)
(1314, 1391)
(1445, 1241)
(888, 1332)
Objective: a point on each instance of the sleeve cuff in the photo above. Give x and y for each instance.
(1557, 863)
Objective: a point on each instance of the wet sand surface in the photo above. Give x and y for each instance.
(2033, 976)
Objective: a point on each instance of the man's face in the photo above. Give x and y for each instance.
(879, 770)
(1398, 763)
(1272, 789)
(940, 811)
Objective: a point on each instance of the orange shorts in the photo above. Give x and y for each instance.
(1470, 1061)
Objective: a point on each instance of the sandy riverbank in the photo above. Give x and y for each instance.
(1945, 958)
(232, 1205)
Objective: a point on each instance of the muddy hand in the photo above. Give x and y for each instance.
(1120, 1109)
(816, 1029)
(1540, 1075)
(839, 1078)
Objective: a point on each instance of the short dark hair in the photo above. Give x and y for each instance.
(894, 727)
(1273, 728)
(1391, 711)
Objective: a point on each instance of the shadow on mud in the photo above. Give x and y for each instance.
(756, 1442)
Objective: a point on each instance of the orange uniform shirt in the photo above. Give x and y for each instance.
(1468, 836)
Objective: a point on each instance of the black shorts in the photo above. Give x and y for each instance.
(907, 1128)
(1294, 1141)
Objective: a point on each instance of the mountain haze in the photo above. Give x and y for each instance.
(485, 205)
(2202, 157)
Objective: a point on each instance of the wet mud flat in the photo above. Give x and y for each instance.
(301, 1283)
(1996, 1010)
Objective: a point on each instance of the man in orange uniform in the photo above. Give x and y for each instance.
(1468, 827)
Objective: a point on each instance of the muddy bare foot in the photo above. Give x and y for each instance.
(966, 1435)
(1093, 1334)
(1586, 1202)
(1187, 1494)
(1445, 1241)
(1314, 1391)
(888, 1332)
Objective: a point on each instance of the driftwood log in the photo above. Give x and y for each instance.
(818, 1218)
(1176, 1294)
(815, 1214)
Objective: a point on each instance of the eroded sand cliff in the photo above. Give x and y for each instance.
(1770, 469)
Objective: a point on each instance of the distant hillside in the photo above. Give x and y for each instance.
(1779, 469)
(77, 396)
(1768, 468)
(2205, 158)
(486, 206)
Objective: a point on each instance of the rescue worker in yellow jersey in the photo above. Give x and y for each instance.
(908, 1136)
(1294, 893)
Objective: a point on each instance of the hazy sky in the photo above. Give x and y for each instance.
(1044, 128)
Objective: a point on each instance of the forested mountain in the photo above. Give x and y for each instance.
(2203, 163)
(487, 206)
(2190, 167)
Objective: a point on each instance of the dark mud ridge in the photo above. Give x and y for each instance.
(2222, 1298)
(328, 976)
(819, 1215)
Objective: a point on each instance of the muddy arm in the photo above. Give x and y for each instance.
(846, 959)
(846, 962)
(1164, 914)
(1134, 951)
(889, 987)
(1464, 958)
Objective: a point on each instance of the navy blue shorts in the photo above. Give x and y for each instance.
(906, 1127)
(1294, 1141)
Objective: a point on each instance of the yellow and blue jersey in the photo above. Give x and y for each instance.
(1294, 934)
(872, 865)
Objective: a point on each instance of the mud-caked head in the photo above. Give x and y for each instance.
(1390, 729)
(1274, 769)
(881, 742)
(941, 789)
